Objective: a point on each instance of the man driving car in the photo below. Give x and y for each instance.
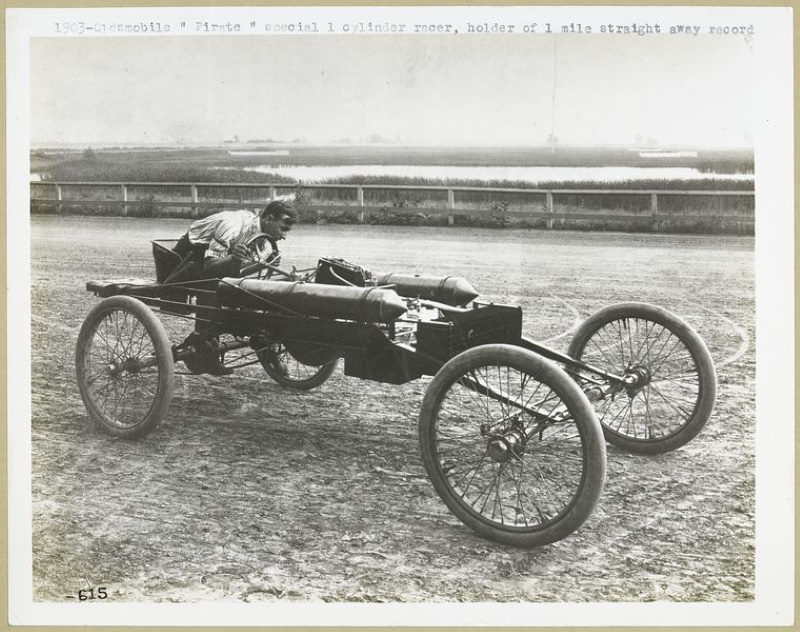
(227, 244)
(223, 242)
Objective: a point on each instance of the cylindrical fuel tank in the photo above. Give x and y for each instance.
(456, 291)
(364, 304)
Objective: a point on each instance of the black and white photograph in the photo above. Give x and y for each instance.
(476, 316)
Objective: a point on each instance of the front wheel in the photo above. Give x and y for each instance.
(672, 382)
(287, 370)
(512, 445)
(124, 367)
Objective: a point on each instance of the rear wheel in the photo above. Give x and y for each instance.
(672, 382)
(512, 445)
(124, 367)
(287, 370)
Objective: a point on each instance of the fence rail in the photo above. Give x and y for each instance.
(549, 209)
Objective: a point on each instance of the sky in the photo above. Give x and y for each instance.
(408, 89)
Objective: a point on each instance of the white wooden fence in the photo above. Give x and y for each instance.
(545, 204)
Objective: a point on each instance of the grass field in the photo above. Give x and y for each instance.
(250, 493)
(61, 162)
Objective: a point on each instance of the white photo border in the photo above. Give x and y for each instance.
(774, 603)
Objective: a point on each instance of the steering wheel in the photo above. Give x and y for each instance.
(263, 257)
(264, 262)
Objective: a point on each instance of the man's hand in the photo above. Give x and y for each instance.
(240, 252)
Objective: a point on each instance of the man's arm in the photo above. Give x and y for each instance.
(225, 238)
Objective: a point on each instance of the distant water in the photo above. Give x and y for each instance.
(277, 152)
(532, 175)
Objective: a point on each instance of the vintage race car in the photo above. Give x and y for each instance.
(512, 433)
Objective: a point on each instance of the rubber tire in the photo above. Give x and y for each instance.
(556, 378)
(696, 347)
(324, 371)
(163, 351)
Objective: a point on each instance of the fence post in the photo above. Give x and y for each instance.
(654, 209)
(271, 194)
(124, 188)
(451, 204)
(360, 198)
(195, 199)
(549, 207)
(59, 198)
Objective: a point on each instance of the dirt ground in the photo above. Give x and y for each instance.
(249, 492)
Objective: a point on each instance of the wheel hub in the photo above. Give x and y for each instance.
(117, 368)
(636, 378)
(503, 447)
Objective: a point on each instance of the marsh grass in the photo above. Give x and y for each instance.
(398, 206)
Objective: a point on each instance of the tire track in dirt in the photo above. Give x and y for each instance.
(732, 330)
(576, 321)
(741, 331)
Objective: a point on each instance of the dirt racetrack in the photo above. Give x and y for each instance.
(249, 492)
